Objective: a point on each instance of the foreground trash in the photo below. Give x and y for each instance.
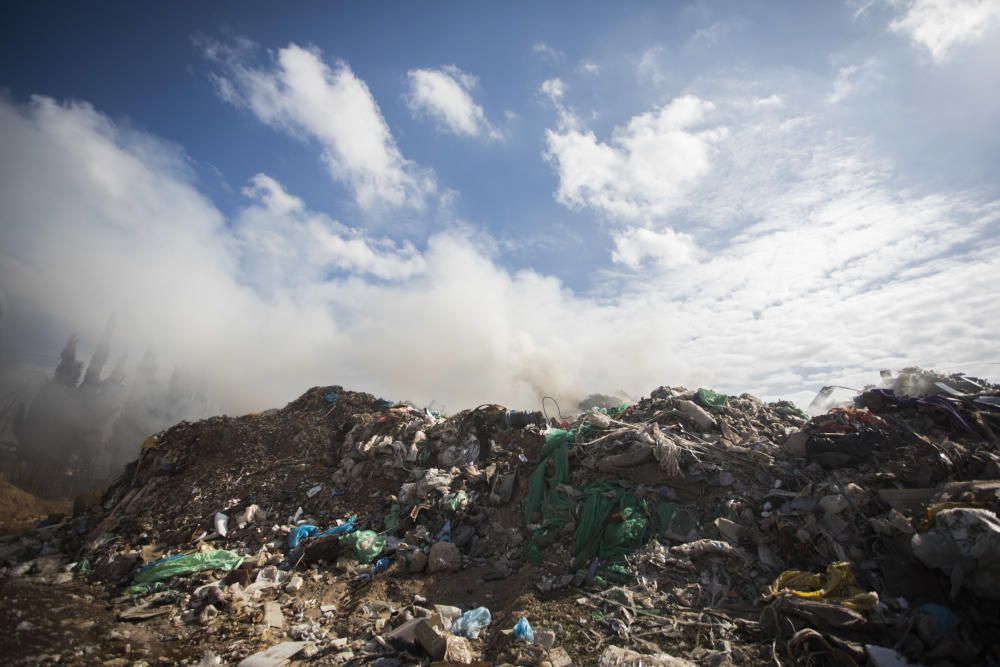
(690, 527)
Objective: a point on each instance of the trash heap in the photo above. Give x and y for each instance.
(690, 527)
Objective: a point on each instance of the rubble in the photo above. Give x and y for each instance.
(689, 527)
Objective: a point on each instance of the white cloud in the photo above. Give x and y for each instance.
(941, 26)
(860, 6)
(548, 52)
(446, 95)
(853, 78)
(773, 101)
(589, 67)
(649, 69)
(554, 89)
(273, 195)
(708, 35)
(666, 248)
(301, 94)
(645, 169)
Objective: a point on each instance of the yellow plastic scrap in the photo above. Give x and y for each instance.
(835, 585)
(932, 511)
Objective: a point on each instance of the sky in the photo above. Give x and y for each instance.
(470, 202)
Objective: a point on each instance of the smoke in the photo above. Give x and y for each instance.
(836, 275)
(98, 219)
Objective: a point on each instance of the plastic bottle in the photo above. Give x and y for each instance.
(471, 623)
(522, 630)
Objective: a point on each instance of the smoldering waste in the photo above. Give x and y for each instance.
(687, 528)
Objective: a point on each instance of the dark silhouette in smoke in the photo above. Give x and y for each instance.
(75, 435)
(69, 369)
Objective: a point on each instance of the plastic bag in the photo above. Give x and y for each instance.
(305, 532)
(522, 630)
(182, 564)
(546, 499)
(597, 535)
(835, 585)
(367, 544)
(471, 623)
(965, 544)
(712, 400)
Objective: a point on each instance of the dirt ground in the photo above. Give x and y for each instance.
(75, 624)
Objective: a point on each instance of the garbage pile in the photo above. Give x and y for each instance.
(689, 527)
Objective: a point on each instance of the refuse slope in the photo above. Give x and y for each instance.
(689, 526)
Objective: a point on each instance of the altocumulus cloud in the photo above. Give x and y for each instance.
(942, 26)
(786, 252)
(645, 169)
(296, 92)
(445, 95)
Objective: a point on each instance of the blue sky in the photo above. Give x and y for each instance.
(495, 201)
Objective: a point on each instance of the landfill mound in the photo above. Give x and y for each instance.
(687, 528)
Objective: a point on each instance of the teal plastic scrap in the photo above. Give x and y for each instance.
(616, 412)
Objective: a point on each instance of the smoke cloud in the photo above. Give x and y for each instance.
(102, 220)
(836, 275)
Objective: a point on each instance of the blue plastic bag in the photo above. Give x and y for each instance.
(299, 533)
(522, 630)
(305, 532)
(471, 623)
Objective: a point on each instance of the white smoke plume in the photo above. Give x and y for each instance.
(838, 277)
(100, 220)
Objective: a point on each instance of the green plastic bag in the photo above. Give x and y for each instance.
(712, 400)
(612, 524)
(456, 501)
(183, 564)
(392, 518)
(367, 544)
(139, 590)
(787, 409)
(545, 498)
(617, 412)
